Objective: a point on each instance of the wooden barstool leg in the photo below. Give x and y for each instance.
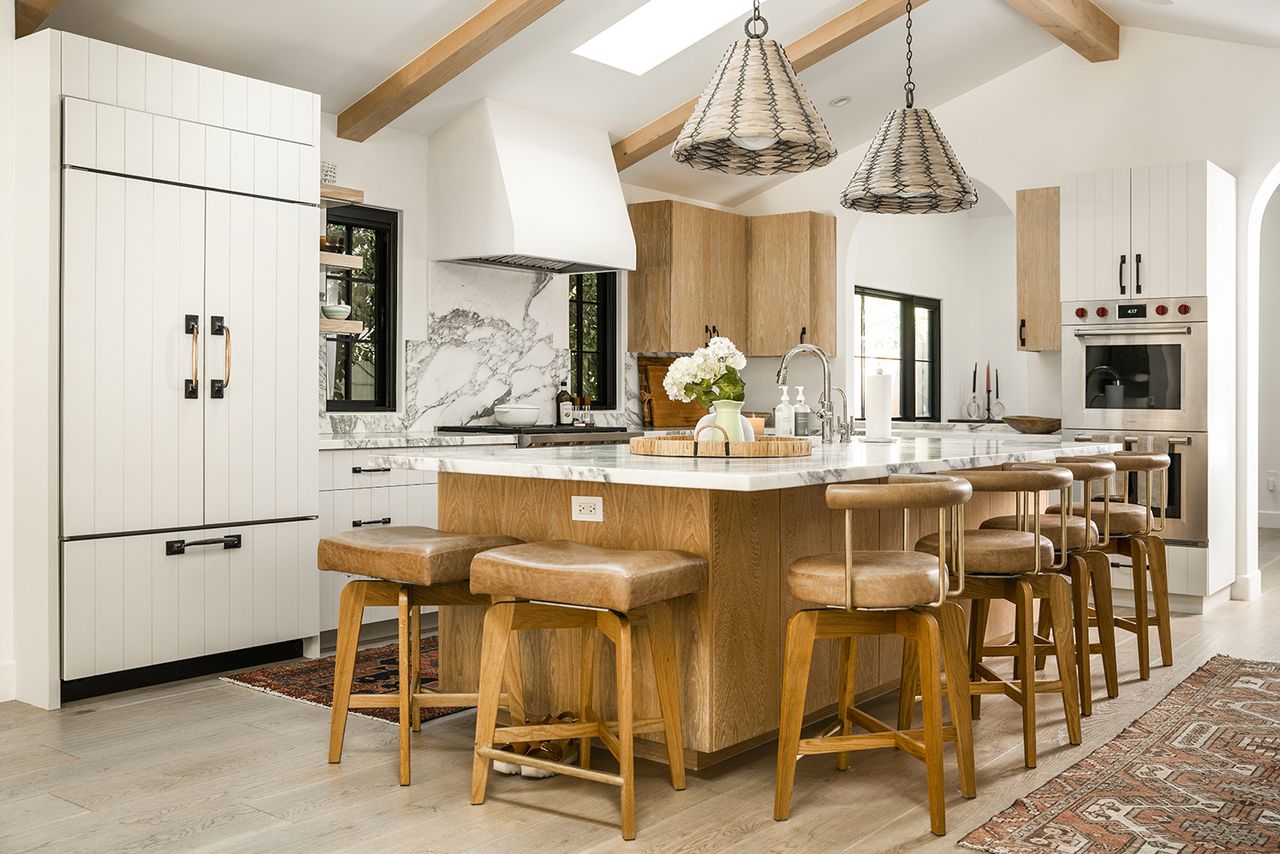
(415, 661)
(662, 645)
(493, 650)
(404, 654)
(586, 683)
(951, 624)
(929, 646)
(1080, 616)
(907, 682)
(1100, 572)
(981, 609)
(1064, 649)
(1026, 637)
(1159, 564)
(1138, 555)
(845, 693)
(350, 616)
(1043, 629)
(626, 737)
(514, 678)
(801, 629)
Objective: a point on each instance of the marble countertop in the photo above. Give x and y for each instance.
(347, 441)
(858, 460)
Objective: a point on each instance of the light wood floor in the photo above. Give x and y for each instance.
(202, 765)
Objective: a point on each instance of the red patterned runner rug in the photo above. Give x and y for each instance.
(1199, 772)
(311, 681)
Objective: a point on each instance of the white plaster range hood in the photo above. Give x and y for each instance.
(519, 190)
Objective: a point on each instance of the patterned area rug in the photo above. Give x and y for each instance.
(1199, 772)
(311, 681)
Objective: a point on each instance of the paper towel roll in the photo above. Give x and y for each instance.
(879, 394)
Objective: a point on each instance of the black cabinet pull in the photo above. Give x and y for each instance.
(385, 520)
(1022, 332)
(179, 547)
(804, 330)
(715, 331)
(1137, 273)
(218, 326)
(706, 330)
(359, 470)
(1123, 260)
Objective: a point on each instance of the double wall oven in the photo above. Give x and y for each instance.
(1137, 372)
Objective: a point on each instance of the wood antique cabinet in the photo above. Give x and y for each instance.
(1039, 323)
(791, 283)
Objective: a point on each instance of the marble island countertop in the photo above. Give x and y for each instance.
(858, 460)
(347, 441)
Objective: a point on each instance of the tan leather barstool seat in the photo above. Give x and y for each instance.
(571, 573)
(1051, 527)
(408, 554)
(994, 552)
(881, 579)
(1125, 518)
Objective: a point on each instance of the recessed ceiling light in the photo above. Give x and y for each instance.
(659, 30)
(840, 101)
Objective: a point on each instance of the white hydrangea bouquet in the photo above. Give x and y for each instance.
(708, 375)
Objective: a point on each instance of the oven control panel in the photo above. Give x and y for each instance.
(1135, 311)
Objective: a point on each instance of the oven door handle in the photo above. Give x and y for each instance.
(1133, 330)
(1175, 441)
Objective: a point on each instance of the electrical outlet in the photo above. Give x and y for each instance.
(1271, 481)
(587, 508)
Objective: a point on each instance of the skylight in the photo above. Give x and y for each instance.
(659, 30)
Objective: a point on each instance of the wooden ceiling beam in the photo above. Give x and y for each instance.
(1079, 24)
(490, 28)
(805, 52)
(28, 15)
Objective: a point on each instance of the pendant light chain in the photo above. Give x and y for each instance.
(910, 87)
(756, 18)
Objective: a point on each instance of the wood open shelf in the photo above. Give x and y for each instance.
(333, 196)
(340, 327)
(337, 259)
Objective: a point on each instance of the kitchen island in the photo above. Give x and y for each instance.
(749, 518)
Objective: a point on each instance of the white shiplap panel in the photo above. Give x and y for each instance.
(131, 78)
(102, 72)
(79, 133)
(75, 66)
(265, 163)
(259, 107)
(110, 140)
(164, 148)
(138, 143)
(304, 106)
(288, 347)
(186, 91)
(1197, 229)
(217, 596)
(288, 565)
(1155, 263)
(266, 249)
(241, 162)
(239, 402)
(432, 517)
(217, 288)
(281, 111)
(190, 270)
(171, 361)
(1140, 230)
(308, 578)
(1121, 223)
(235, 102)
(191, 597)
(159, 85)
(1086, 243)
(79, 330)
(78, 594)
(343, 478)
(138, 552)
(164, 601)
(325, 470)
(265, 568)
(398, 505)
(108, 605)
(308, 367)
(211, 97)
(287, 170)
(139, 349)
(240, 594)
(217, 158)
(191, 153)
(309, 174)
(110, 378)
(330, 583)
(1179, 238)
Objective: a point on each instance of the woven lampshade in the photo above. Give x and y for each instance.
(909, 168)
(754, 117)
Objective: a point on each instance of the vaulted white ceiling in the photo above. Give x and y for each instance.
(343, 49)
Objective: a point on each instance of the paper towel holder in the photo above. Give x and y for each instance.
(867, 437)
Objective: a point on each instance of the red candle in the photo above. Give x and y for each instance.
(988, 376)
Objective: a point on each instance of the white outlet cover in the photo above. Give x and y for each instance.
(586, 508)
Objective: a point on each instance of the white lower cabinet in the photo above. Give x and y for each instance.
(139, 600)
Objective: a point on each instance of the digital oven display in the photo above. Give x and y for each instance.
(1130, 311)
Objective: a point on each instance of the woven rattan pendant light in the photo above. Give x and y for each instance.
(910, 167)
(754, 117)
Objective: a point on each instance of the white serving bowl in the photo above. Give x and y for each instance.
(336, 312)
(516, 416)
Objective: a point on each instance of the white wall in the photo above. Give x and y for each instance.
(7, 295)
(1269, 354)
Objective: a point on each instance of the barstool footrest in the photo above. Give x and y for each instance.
(547, 765)
(421, 699)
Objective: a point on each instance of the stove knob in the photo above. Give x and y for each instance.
(1184, 309)
(1162, 310)
(1082, 312)
(1102, 311)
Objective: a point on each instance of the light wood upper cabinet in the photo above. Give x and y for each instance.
(1039, 324)
(690, 277)
(791, 283)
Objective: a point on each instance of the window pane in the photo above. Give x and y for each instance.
(591, 376)
(364, 243)
(573, 330)
(923, 318)
(924, 406)
(590, 328)
(881, 327)
(589, 286)
(363, 377)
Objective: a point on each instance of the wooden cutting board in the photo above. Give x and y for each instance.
(659, 411)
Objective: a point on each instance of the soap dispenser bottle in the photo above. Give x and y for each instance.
(783, 423)
(802, 414)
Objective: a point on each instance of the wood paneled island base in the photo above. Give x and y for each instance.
(730, 636)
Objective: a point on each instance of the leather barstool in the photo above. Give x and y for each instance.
(1018, 567)
(562, 584)
(1136, 535)
(408, 567)
(1087, 567)
(883, 592)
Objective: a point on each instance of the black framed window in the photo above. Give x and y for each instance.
(901, 335)
(364, 368)
(593, 338)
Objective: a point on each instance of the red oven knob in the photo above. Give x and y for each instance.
(1162, 310)
(1082, 312)
(1184, 309)
(1102, 311)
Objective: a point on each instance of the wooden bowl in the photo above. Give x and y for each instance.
(1034, 424)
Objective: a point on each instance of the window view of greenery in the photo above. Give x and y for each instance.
(592, 338)
(899, 334)
(362, 369)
